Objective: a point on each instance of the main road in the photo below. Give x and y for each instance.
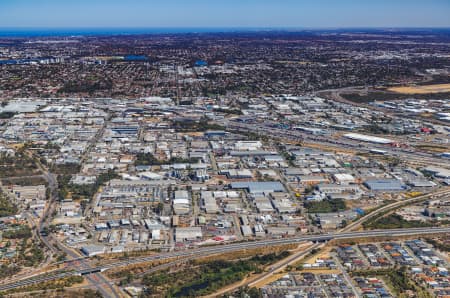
(270, 128)
(105, 287)
(227, 248)
(444, 193)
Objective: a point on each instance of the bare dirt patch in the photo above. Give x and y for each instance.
(422, 89)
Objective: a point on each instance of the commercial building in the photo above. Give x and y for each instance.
(92, 250)
(259, 187)
(367, 138)
(29, 192)
(385, 185)
(188, 234)
(209, 203)
(181, 202)
(438, 172)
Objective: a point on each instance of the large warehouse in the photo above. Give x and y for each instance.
(367, 138)
(259, 187)
(385, 185)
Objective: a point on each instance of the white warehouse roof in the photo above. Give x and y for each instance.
(367, 138)
(181, 201)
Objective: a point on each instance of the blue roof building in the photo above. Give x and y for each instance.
(385, 185)
(200, 63)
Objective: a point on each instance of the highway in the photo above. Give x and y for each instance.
(335, 95)
(104, 286)
(219, 249)
(93, 274)
(276, 268)
(375, 213)
(266, 275)
(272, 129)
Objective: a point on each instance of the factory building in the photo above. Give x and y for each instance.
(385, 185)
(188, 234)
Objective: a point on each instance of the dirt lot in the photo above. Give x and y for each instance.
(436, 88)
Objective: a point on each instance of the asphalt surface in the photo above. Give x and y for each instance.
(268, 128)
(272, 129)
(201, 252)
(375, 213)
(104, 286)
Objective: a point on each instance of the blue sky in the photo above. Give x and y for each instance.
(224, 13)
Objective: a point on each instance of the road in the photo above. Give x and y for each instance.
(272, 129)
(268, 128)
(346, 277)
(276, 268)
(356, 224)
(104, 286)
(335, 95)
(220, 249)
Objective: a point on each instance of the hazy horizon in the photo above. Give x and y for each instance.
(93, 31)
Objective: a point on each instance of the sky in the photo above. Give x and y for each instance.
(223, 13)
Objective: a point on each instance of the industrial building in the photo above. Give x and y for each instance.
(188, 234)
(259, 187)
(181, 202)
(209, 203)
(367, 138)
(385, 185)
(92, 250)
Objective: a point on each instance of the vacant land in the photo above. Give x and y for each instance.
(395, 221)
(7, 208)
(18, 165)
(423, 89)
(325, 206)
(383, 95)
(433, 148)
(25, 181)
(198, 279)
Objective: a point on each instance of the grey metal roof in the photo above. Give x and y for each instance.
(385, 184)
(259, 187)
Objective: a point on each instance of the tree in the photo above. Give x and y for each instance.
(127, 280)
(7, 208)
(159, 208)
(61, 257)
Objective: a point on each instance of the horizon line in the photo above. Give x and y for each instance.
(36, 32)
(218, 27)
